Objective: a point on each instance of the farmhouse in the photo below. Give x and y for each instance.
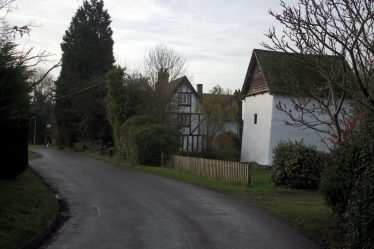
(182, 106)
(268, 84)
(181, 110)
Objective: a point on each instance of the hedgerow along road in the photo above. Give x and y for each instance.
(114, 208)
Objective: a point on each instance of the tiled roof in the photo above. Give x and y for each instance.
(283, 71)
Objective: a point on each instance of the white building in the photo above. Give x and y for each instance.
(264, 126)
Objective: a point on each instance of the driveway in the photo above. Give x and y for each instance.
(115, 208)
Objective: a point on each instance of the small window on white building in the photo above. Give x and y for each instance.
(255, 118)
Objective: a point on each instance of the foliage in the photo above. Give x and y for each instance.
(226, 146)
(152, 140)
(127, 95)
(16, 69)
(144, 141)
(114, 102)
(163, 57)
(297, 166)
(42, 123)
(218, 107)
(87, 55)
(14, 111)
(348, 184)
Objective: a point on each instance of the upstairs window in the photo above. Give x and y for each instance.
(184, 99)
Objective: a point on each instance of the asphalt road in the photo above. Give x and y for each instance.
(115, 208)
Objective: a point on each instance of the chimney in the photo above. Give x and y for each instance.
(200, 90)
(238, 96)
(162, 79)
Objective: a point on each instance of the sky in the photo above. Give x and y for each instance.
(215, 36)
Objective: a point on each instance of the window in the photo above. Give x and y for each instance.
(184, 99)
(184, 119)
(255, 118)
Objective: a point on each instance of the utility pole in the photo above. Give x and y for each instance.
(34, 129)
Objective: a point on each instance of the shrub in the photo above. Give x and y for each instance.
(142, 141)
(14, 157)
(348, 185)
(152, 140)
(296, 165)
(226, 146)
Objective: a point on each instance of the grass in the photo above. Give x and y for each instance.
(206, 182)
(302, 208)
(26, 208)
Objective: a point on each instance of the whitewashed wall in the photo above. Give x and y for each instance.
(259, 139)
(256, 137)
(281, 131)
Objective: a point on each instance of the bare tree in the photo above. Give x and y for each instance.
(28, 59)
(163, 57)
(6, 31)
(341, 29)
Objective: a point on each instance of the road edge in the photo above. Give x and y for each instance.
(54, 225)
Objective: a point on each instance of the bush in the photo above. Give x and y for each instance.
(348, 185)
(152, 140)
(226, 146)
(143, 141)
(14, 148)
(296, 165)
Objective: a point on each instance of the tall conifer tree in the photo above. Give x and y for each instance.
(87, 55)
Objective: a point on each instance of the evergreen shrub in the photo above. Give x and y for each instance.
(297, 166)
(143, 140)
(348, 185)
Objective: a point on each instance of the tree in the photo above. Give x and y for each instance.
(42, 123)
(218, 107)
(16, 81)
(341, 29)
(128, 95)
(87, 55)
(7, 31)
(163, 57)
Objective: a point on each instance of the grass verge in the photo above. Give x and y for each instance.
(206, 182)
(26, 207)
(302, 208)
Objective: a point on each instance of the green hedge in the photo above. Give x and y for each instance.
(348, 185)
(297, 166)
(143, 140)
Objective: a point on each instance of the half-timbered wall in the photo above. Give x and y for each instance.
(183, 113)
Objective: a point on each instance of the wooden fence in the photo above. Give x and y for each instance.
(227, 171)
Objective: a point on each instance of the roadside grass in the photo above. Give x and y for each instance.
(210, 183)
(304, 209)
(27, 206)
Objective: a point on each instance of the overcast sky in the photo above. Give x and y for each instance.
(215, 36)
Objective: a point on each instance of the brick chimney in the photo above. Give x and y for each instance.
(200, 90)
(238, 96)
(162, 79)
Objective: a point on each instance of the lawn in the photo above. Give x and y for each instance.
(302, 208)
(26, 207)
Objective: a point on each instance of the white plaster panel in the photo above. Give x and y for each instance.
(256, 137)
